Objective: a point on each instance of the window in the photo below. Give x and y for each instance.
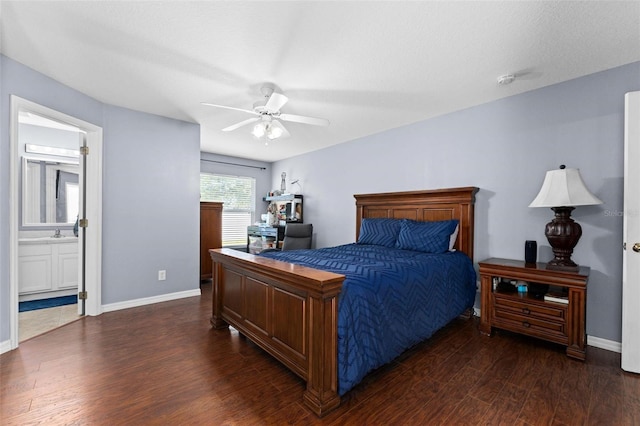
(238, 193)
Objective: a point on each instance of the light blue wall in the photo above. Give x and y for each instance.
(503, 147)
(150, 205)
(150, 191)
(46, 136)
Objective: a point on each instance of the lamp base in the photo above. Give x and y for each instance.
(563, 235)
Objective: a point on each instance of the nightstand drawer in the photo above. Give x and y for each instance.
(528, 324)
(531, 317)
(540, 310)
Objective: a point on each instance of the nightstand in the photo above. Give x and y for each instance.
(530, 314)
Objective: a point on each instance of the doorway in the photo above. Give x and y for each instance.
(48, 245)
(88, 260)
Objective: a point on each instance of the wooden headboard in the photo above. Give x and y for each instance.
(438, 204)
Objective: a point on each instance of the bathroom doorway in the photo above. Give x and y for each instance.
(50, 180)
(56, 195)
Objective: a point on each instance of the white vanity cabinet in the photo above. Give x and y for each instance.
(47, 265)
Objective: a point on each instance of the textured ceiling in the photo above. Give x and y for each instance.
(366, 66)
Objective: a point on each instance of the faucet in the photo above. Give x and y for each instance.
(57, 233)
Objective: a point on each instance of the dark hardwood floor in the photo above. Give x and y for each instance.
(163, 364)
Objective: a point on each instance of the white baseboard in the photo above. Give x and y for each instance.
(5, 346)
(149, 300)
(605, 344)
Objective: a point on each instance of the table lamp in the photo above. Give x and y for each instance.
(563, 190)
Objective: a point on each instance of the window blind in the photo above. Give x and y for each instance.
(238, 193)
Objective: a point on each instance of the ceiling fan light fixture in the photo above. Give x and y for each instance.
(259, 130)
(267, 116)
(266, 128)
(274, 132)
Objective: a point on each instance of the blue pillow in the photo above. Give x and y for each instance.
(428, 237)
(379, 231)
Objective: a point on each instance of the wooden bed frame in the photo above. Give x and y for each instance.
(291, 311)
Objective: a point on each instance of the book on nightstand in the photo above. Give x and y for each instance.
(558, 297)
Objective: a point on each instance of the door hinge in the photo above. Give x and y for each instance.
(82, 295)
(83, 223)
(84, 150)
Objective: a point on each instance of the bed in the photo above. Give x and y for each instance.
(311, 309)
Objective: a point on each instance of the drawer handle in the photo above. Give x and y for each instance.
(526, 324)
(526, 311)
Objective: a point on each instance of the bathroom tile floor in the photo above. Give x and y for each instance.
(33, 323)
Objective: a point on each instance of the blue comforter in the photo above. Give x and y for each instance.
(391, 299)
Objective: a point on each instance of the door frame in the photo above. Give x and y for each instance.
(93, 178)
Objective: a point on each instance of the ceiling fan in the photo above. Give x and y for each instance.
(268, 114)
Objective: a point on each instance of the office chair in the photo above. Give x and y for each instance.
(297, 236)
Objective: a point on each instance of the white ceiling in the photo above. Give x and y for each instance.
(366, 66)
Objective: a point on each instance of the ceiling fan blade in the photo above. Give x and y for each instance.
(278, 131)
(305, 120)
(228, 107)
(276, 101)
(240, 124)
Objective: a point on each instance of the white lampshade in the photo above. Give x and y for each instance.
(564, 188)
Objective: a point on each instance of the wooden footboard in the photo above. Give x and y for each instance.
(290, 311)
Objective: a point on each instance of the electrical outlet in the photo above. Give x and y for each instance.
(162, 275)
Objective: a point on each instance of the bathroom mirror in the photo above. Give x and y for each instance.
(50, 192)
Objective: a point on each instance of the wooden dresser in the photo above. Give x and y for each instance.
(531, 314)
(210, 234)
